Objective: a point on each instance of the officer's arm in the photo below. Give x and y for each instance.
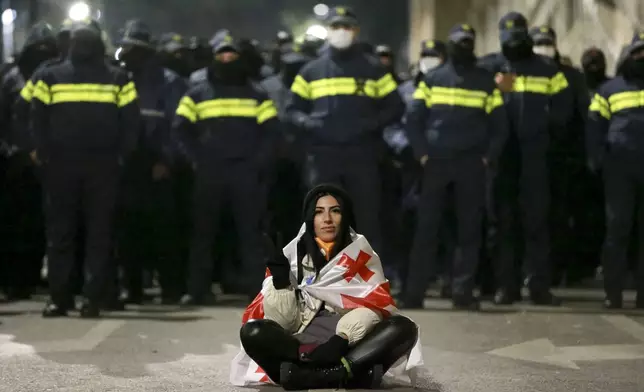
(175, 91)
(5, 111)
(498, 125)
(417, 114)
(561, 100)
(391, 107)
(184, 128)
(40, 104)
(268, 121)
(299, 102)
(22, 113)
(129, 116)
(582, 97)
(599, 117)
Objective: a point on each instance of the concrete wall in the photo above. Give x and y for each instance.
(578, 23)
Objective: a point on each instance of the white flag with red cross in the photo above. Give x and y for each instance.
(353, 279)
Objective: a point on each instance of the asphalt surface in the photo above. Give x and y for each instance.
(155, 348)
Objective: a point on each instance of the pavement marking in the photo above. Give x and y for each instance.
(95, 336)
(545, 352)
(627, 325)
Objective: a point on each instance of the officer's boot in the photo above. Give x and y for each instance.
(294, 377)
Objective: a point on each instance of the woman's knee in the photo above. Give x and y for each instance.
(255, 331)
(403, 328)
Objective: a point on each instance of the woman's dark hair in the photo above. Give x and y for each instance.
(308, 245)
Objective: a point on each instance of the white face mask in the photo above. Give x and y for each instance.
(426, 64)
(545, 50)
(340, 38)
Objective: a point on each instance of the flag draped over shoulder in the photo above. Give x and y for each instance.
(353, 279)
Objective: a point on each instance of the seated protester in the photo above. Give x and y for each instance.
(337, 327)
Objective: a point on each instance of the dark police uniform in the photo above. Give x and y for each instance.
(85, 117)
(616, 144)
(342, 101)
(147, 236)
(22, 241)
(458, 122)
(520, 184)
(567, 169)
(225, 130)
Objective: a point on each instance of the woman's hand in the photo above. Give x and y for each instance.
(277, 263)
(328, 353)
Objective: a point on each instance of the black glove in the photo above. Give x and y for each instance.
(328, 353)
(277, 263)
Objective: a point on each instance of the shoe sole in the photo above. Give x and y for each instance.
(378, 374)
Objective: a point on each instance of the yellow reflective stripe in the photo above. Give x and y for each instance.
(386, 85)
(187, 109)
(266, 111)
(42, 92)
(458, 97)
(226, 108)
(301, 87)
(494, 101)
(83, 92)
(342, 86)
(423, 93)
(27, 92)
(626, 100)
(600, 105)
(532, 84)
(126, 95)
(558, 83)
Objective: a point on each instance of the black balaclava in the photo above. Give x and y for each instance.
(461, 52)
(593, 63)
(307, 244)
(518, 47)
(231, 73)
(136, 57)
(634, 67)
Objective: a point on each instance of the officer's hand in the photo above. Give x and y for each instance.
(423, 160)
(160, 171)
(505, 81)
(34, 158)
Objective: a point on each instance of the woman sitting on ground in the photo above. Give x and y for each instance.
(308, 344)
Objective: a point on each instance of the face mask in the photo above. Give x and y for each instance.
(461, 52)
(340, 38)
(232, 72)
(545, 50)
(426, 64)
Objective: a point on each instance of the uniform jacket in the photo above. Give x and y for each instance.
(344, 98)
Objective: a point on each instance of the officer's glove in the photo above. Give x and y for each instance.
(329, 353)
(277, 264)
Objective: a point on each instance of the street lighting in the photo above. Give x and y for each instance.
(79, 11)
(321, 10)
(317, 31)
(8, 17)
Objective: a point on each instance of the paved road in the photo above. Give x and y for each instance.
(155, 348)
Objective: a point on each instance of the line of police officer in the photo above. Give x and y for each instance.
(490, 148)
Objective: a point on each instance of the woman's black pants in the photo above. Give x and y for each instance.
(268, 344)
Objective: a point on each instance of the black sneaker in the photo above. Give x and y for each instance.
(295, 377)
(52, 310)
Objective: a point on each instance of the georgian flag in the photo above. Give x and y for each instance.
(353, 279)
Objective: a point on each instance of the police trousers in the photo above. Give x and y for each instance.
(518, 212)
(236, 184)
(467, 174)
(89, 185)
(269, 345)
(624, 190)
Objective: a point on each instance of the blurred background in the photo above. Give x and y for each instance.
(402, 24)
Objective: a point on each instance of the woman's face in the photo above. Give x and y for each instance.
(328, 216)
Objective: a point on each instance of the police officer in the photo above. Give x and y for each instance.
(342, 101)
(286, 189)
(225, 126)
(616, 146)
(567, 167)
(201, 53)
(85, 117)
(148, 221)
(534, 89)
(457, 126)
(175, 54)
(388, 60)
(21, 211)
